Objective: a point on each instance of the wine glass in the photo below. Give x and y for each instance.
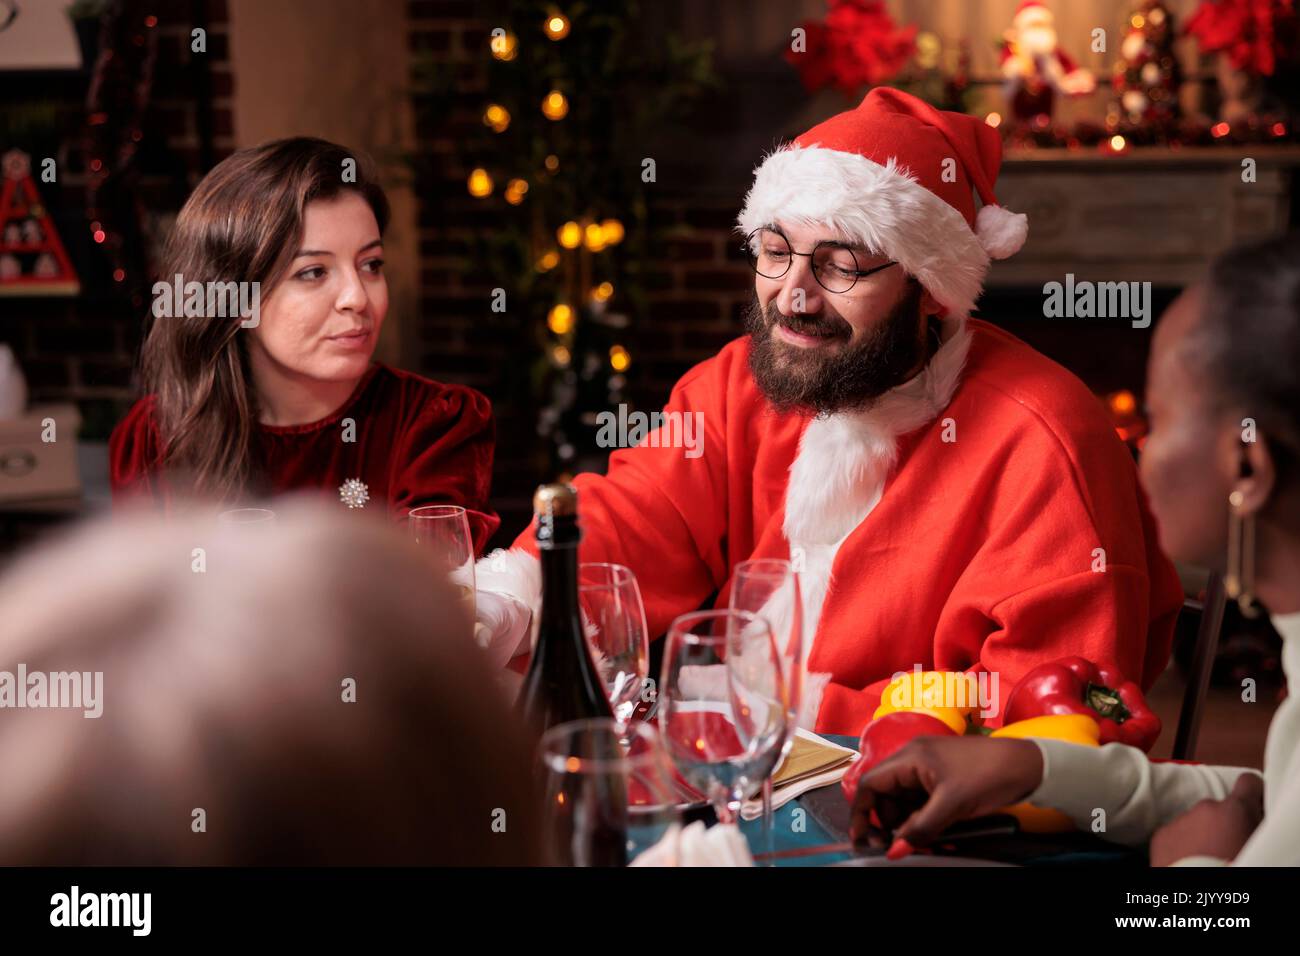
(443, 531)
(769, 587)
(614, 621)
(722, 703)
(241, 517)
(606, 800)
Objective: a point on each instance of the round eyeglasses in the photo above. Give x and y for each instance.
(834, 265)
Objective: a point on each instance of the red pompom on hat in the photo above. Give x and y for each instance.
(897, 176)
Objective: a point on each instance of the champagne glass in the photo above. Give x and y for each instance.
(722, 702)
(769, 587)
(606, 800)
(247, 516)
(614, 621)
(443, 531)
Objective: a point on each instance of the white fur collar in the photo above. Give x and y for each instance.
(844, 458)
(839, 475)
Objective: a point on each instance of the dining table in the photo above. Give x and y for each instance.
(818, 819)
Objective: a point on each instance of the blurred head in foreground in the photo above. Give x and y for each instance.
(1223, 393)
(303, 692)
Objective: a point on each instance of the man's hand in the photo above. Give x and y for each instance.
(501, 625)
(934, 782)
(1217, 828)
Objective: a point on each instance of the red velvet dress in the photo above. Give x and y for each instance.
(417, 442)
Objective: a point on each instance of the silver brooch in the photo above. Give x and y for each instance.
(354, 493)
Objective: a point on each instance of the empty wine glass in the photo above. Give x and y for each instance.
(443, 531)
(247, 516)
(614, 620)
(769, 587)
(722, 703)
(606, 801)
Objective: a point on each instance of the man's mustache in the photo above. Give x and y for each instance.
(822, 323)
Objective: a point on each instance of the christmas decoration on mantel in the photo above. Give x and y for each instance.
(1146, 76)
(1034, 67)
(563, 154)
(859, 46)
(32, 259)
(1251, 39)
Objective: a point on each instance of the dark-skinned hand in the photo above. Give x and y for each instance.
(934, 782)
(1216, 828)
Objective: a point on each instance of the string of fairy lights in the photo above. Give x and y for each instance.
(577, 240)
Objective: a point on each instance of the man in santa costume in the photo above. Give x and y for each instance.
(955, 499)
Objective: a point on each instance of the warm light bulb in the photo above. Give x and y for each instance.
(548, 261)
(1123, 403)
(1118, 142)
(555, 106)
(994, 120)
(505, 47)
(594, 237)
(560, 319)
(497, 117)
(561, 355)
(613, 231)
(619, 359)
(552, 163)
(557, 26)
(603, 292)
(569, 235)
(480, 183)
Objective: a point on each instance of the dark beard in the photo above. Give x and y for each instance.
(797, 379)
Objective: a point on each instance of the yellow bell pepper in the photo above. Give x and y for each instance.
(1072, 728)
(948, 696)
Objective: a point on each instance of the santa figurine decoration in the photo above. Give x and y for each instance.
(1035, 69)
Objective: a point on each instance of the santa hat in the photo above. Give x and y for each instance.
(897, 176)
(1031, 11)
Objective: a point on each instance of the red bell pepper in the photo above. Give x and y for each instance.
(1074, 685)
(886, 735)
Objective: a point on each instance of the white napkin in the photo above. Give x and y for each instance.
(13, 387)
(781, 795)
(696, 845)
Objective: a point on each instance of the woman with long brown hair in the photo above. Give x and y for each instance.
(257, 367)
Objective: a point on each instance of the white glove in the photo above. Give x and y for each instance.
(501, 625)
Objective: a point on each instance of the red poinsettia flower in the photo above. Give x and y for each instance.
(1245, 30)
(858, 44)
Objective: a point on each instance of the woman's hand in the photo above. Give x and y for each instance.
(934, 782)
(1217, 828)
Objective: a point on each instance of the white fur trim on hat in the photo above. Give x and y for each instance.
(883, 207)
(1000, 231)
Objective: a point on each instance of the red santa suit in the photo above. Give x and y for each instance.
(982, 516)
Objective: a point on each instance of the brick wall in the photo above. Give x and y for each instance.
(697, 284)
(84, 349)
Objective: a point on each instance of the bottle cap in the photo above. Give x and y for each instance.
(556, 500)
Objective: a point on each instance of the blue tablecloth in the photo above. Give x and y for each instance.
(794, 827)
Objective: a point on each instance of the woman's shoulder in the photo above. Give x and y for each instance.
(139, 424)
(422, 399)
(134, 446)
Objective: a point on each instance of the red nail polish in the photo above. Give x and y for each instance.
(898, 849)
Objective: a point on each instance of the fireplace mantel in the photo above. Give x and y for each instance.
(1150, 214)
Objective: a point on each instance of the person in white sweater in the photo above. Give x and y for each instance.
(1222, 468)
